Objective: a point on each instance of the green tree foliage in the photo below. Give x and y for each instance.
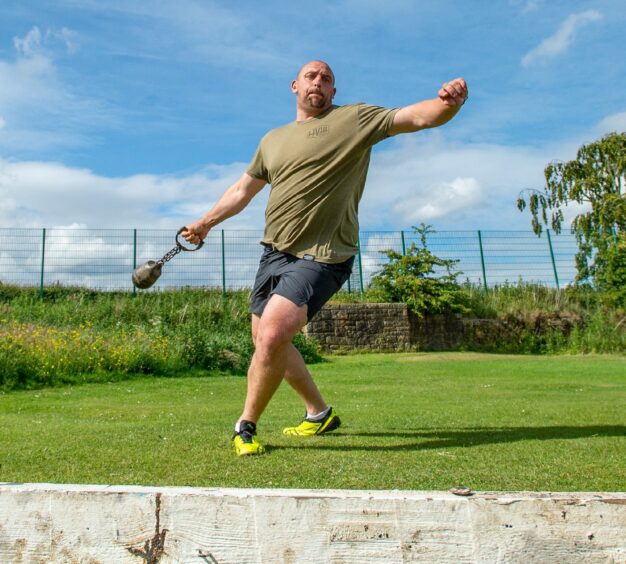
(597, 178)
(418, 278)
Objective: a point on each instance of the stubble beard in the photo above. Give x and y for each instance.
(318, 101)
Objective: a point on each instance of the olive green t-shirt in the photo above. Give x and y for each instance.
(317, 169)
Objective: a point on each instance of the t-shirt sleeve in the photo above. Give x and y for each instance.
(375, 122)
(257, 168)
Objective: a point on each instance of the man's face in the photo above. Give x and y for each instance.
(315, 87)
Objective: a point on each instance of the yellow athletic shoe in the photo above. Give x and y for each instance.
(244, 442)
(309, 428)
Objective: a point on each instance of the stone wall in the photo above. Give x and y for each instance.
(383, 327)
(392, 327)
(376, 327)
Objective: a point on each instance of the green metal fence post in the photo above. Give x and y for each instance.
(223, 265)
(556, 276)
(43, 256)
(134, 256)
(358, 243)
(403, 243)
(482, 259)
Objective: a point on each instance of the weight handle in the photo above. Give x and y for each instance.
(181, 246)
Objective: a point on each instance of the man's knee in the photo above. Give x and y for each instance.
(270, 338)
(278, 325)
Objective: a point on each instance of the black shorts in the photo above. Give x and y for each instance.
(300, 281)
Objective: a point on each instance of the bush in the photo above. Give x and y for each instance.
(420, 279)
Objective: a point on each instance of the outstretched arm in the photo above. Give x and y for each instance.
(431, 113)
(232, 201)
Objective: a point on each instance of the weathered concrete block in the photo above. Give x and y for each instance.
(102, 524)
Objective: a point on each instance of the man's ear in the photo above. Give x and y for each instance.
(294, 86)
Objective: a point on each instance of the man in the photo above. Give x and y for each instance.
(317, 167)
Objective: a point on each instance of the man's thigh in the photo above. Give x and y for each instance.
(282, 319)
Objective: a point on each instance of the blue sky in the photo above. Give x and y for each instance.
(140, 113)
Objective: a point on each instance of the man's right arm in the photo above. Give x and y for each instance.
(232, 201)
(431, 113)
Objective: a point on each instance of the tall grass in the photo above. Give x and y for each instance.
(79, 334)
(525, 297)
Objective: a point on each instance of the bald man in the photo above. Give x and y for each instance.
(316, 166)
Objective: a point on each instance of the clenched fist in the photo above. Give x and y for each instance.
(454, 93)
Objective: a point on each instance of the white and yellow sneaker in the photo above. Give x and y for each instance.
(309, 428)
(244, 441)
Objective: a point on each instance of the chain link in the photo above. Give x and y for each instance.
(170, 255)
(177, 249)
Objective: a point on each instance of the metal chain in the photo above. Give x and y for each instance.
(177, 249)
(170, 254)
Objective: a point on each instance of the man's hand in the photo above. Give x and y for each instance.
(195, 232)
(454, 93)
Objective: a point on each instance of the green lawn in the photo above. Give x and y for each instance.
(411, 421)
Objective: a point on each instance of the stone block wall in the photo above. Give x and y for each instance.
(392, 327)
(375, 327)
(436, 332)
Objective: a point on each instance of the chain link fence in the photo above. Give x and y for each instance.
(105, 258)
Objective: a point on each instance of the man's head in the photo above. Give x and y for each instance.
(314, 88)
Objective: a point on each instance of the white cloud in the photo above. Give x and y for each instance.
(34, 41)
(44, 194)
(561, 40)
(613, 123)
(29, 45)
(445, 198)
(3, 123)
(68, 37)
(454, 185)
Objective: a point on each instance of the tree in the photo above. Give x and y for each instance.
(596, 177)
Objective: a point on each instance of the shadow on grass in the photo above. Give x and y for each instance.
(461, 438)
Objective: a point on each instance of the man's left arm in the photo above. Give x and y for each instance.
(431, 113)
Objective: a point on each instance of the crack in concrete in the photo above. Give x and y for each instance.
(153, 548)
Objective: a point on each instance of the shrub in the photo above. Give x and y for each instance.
(419, 279)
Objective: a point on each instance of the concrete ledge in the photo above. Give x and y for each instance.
(116, 524)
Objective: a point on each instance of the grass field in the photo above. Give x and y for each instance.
(411, 421)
